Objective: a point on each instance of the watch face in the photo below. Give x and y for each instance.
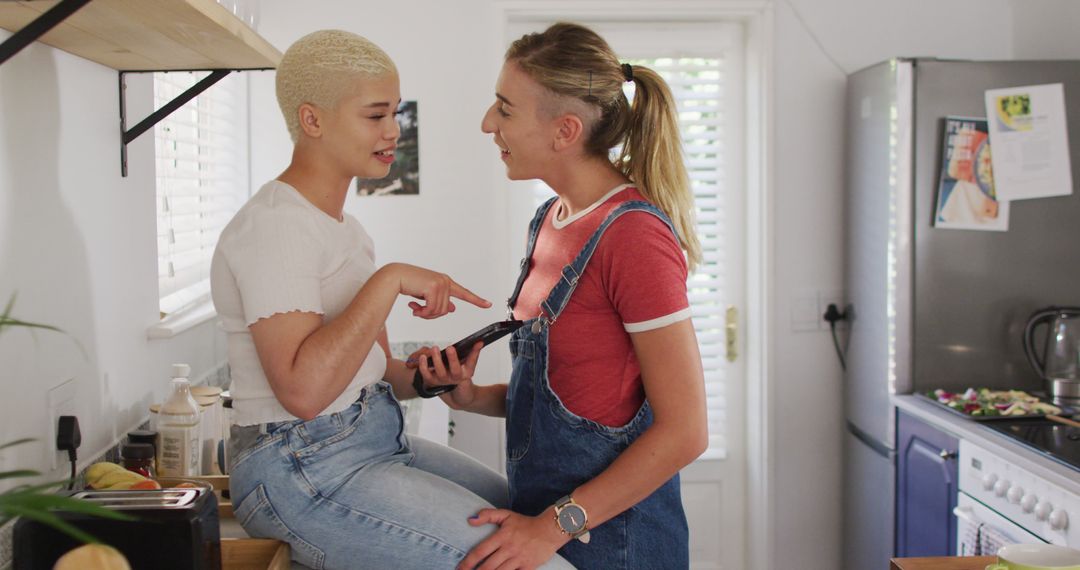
(572, 518)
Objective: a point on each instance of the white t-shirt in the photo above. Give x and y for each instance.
(279, 254)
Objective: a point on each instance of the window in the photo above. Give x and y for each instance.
(701, 64)
(202, 164)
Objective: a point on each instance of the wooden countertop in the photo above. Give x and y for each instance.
(943, 563)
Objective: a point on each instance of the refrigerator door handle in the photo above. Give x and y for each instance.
(875, 445)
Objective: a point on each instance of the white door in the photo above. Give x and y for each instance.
(703, 64)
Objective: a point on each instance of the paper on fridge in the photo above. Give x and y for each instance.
(967, 198)
(1030, 141)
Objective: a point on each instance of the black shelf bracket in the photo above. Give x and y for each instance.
(128, 135)
(39, 27)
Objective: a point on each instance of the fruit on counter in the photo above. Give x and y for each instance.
(97, 471)
(147, 485)
(986, 402)
(110, 476)
(92, 557)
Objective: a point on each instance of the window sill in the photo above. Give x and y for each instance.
(177, 323)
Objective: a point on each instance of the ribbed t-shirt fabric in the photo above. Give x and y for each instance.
(279, 254)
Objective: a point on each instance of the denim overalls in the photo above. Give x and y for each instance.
(551, 451)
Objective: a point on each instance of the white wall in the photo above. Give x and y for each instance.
(78, 245)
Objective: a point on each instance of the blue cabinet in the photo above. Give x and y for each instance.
(926, 474)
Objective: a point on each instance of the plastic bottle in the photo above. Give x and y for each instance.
(180, 452)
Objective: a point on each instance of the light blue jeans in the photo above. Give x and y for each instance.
(350, 490)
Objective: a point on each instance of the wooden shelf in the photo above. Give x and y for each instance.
(150, 35)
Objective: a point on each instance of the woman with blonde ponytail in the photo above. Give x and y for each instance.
(606, 402)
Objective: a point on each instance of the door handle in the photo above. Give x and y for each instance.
(731, 332)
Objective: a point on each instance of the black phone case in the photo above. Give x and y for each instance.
(488, 335)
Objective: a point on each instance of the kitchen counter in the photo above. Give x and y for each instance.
(995, 442)
(943, 563)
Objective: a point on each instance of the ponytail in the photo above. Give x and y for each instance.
(652, 157)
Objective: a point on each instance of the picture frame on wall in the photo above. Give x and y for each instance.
(404, 176)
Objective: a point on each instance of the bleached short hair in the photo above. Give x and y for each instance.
(321, 67)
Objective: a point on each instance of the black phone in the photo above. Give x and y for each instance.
(487, 335)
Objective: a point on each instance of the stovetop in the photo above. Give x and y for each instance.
(1054, 440)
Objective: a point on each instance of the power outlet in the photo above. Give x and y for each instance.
(826, 298)
(61, 402)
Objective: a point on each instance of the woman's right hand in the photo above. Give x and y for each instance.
(433, 288)
(457, 372)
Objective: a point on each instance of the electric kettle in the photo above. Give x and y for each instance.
(1059, 362)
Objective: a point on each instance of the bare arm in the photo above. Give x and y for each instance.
(675, 388)
(309, 362)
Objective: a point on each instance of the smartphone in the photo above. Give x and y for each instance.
(487, 335)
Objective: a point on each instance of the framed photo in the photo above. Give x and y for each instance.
(404, 176)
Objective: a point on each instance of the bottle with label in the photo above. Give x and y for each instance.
(180, 451)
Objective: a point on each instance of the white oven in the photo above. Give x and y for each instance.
(1001, 503)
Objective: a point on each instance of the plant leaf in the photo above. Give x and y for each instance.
(47, 518)
(45, 502)
(19, 473)
(17, 442)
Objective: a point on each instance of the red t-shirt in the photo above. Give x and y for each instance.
(635, 281)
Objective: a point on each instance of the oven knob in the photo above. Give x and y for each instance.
(1042, 510)
(1028, 503)
(1001, 487)
(988, 481)
(1059, 520)
(1014, 494)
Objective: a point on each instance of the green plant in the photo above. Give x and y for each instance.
(38, 502)
(6, 320)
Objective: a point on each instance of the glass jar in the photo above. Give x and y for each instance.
(139, 458)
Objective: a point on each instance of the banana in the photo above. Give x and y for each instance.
(112, 480)
(95, 472)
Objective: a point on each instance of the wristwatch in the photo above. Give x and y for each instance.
(572, 519)
(424, 392)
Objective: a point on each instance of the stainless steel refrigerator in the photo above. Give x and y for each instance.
(932, 307)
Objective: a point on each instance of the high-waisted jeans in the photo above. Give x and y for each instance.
(350, 490)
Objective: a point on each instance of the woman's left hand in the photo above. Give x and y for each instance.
(522, 542)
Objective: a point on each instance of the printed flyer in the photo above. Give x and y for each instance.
(1031, 143)
(967, 198)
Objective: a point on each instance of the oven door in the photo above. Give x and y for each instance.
(980, 531)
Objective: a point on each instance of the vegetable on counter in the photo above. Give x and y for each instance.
(986, 402)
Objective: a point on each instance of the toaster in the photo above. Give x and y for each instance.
(173, 529)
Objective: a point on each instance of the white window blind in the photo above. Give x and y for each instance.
(698, 86)
(692, 60)
(201, 160)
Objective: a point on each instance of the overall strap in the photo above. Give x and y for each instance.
(534, 230)
(560, 294)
